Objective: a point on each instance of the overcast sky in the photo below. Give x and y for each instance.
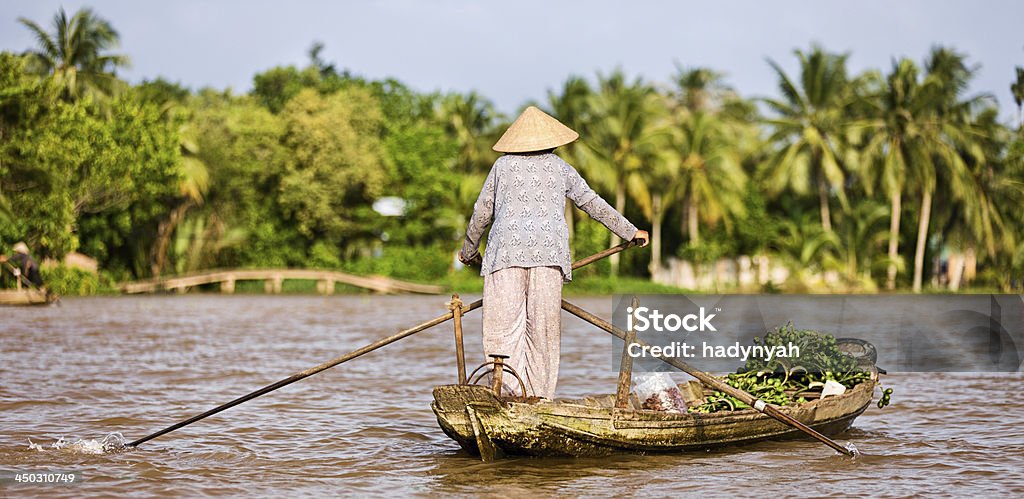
(515, 51)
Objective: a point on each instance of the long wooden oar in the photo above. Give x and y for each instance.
(307, 373)
(605, 254)
(353, 354)
(711, 381)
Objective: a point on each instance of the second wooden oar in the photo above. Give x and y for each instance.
(712, 381)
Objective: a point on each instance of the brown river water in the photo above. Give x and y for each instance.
(133, 365)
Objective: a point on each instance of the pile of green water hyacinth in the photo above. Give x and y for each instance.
(781, 380)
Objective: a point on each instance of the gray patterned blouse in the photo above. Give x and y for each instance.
(524, 195)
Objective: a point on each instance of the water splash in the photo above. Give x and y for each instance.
(853, 449)
(114, 442)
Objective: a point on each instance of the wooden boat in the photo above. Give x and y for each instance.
(26, 297)
(481, 423)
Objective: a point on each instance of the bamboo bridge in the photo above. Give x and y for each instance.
(273, 280)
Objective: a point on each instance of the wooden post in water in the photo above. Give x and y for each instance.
(499, 369)
(626, 366)
(227, 286)
(460, 357)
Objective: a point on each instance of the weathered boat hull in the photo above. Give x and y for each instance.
(25, 297)
(481, 423)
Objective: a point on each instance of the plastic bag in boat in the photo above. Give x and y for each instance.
(658, 392)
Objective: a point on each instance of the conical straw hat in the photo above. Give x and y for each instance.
(535, 130)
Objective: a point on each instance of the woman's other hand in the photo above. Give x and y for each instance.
(642, 237)
(474, 261)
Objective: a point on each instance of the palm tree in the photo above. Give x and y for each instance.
(811, 122)
(949, 138)
(74, 53)
(902, 138)
(570, 107)
(192, 188)
(920, 139)
(653, 189)
(951, 76)
(470, 119)
(1017, 88)
(201, 238)
(700, 89)
(711, 177)
(707, 146)
(976, 219)
(1004, 181)
(618, 139)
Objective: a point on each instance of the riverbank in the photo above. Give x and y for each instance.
(75, 282)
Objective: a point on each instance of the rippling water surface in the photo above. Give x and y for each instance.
(137, 364)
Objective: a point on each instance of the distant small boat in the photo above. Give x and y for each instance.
(26, 297)
(484, 424)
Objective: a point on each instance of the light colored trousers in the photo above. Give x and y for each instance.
(522, 319)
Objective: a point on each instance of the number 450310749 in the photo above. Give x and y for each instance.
(45, 477)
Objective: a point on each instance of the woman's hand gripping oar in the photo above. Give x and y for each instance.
(357, 353)
(712, 381)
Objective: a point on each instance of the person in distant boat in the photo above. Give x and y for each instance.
(527, 257)
(23, 264)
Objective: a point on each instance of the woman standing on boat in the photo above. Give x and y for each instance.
(527, 257)
(26, 268)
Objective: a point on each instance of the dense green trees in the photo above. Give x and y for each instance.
(318, 167)
(64, 165)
